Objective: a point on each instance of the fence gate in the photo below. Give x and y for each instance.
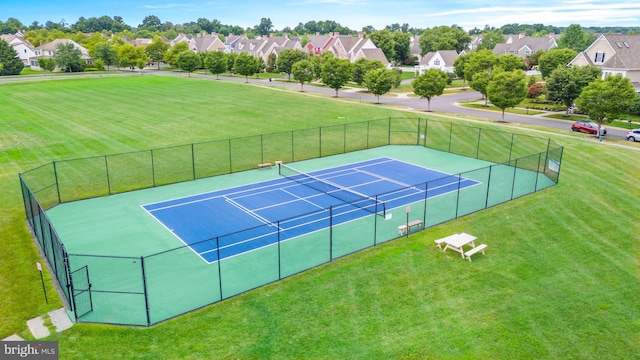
(81, 292)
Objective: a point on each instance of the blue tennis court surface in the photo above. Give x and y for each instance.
(245, 218)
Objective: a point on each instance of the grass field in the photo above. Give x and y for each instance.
(560, 278)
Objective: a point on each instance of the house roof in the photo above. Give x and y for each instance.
(516, 44)
(448, 56)
(375, 54)
(415, 45)
(626, 51)
(15, 40)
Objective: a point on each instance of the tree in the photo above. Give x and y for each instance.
(216, 63)
(336, 73)
(188, 61)
(106, 53)
(156, 50)
(47, 63)
(509, 62)
(171, 57)
(379, 81)
(271, 63)
(490, 39)
(479, 61)
(246, 65)
(9, 60)
(566, 83)
(575, 38)
(231, 60)
(553, 58)
(444, 38)
(605, 100)
(401, 47)
(151, 22)
(507, 89)
(384, 41)
(128, 55)
(287, 58)
(458, 67)
(317, 61)
(67, 57)
(479, 83)
(303, 72)
(362, 66)
(265, 26)
(430, 84)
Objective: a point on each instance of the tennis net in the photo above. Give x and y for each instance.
(343, 194)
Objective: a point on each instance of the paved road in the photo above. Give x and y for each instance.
(442, 104)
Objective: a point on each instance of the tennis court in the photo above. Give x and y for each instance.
(138, 238)
(297, 204)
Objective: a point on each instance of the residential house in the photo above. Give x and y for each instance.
(200, 42)
(275, 44)
(49, 50)
(318, 43)
(524, 46)
(353, 48)
(441, 59)
(614, 54)
(26, 51)
(231, 41)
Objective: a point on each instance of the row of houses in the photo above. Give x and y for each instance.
(342, 46)
(518, 45)
(612, 53)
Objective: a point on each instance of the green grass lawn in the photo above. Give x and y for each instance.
(560, 278)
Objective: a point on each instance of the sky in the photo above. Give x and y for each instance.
(354, 14)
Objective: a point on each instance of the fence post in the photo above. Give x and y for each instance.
(193, 160)
(153, 169)
(478, 146)
(146, 294)
(279, 255)
(450, 137)
(230, 157)
(344, 140)
(293, 154)
(426, 129)
(261, 149)
(389, 132)
(511, 147)
(320, 141)
(55, 175)
(486, 201)
(330, 233)
(513, 183)
(219, 268)
(458, 194)
(106, 168)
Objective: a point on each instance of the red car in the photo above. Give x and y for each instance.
(587, 127)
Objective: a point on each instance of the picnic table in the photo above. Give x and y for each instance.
(458, 241)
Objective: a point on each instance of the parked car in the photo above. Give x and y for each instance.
(587, 127)
(633, 135)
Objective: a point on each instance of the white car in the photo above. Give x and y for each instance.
(633, 135)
